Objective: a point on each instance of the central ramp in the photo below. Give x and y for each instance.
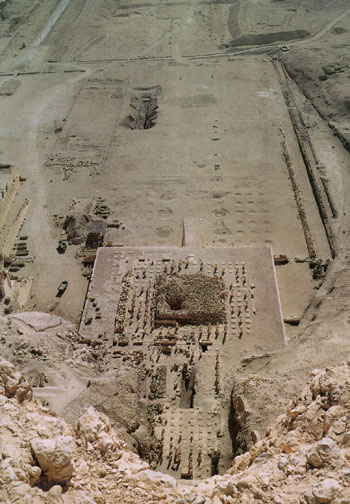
(185, 317)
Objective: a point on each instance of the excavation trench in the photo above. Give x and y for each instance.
(219, 455)
(143, 109)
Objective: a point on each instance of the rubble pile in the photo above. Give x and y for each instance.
(304, 457)
(194, 297)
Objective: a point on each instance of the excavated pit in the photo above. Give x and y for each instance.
(191, 299)
(143, 111)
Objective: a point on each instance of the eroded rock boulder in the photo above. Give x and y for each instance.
(12, 383)
(326, 491)
(94, 427)
(303, 458)
(323, 452)
(54, 457)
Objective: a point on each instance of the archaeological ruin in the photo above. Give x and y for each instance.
(174, 251)
(184, 316)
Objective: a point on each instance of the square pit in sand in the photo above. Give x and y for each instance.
(192, 299)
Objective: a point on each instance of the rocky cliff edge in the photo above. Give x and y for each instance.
(304, 457)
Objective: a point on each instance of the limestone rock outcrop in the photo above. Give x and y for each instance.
(325, 451)
(303, 459)
(12, 383)
(54, 457)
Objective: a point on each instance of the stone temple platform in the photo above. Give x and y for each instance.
(188, 316)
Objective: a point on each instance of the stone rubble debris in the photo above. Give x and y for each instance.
(303, 458)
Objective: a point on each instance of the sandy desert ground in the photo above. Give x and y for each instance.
(243, 128)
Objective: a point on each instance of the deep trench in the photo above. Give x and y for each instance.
(236, 429)
(143, 112)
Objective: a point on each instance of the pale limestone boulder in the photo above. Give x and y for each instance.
(20, 492)
(7, 471)
(95, 429)
(249, 481)
(24, 391)
(129, 464)
(54, 457)
(326, 491)
(295, 412)
(240, 463)
(337, 429)
(54, 495)
(15, 458)
(328, 381)
(324, 452)
(346, 453)
(157, 478)
(345, 497)
(334, 413)
(91, 424)
(291, 442)
(12, 382)
(315, 427)
(6, 368)
(283, 463)
(105, 443)
(226, 487)
(334, 422)
(34, 473)
(9, 377)
(345, 474)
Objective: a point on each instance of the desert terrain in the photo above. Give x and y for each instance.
(210, 141)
